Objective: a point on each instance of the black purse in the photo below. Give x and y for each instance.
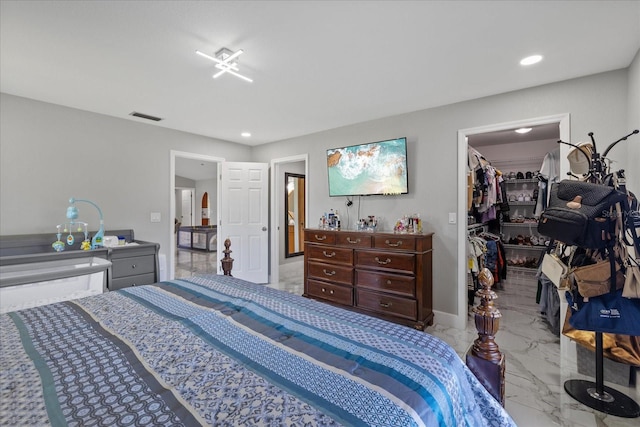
(581, 214)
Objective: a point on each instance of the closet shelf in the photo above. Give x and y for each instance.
(520, 224)
(520, 181)
(522, 203)
(527, 247)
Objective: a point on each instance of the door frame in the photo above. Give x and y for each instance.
(173, 154)
(459, 320)
(277, 203)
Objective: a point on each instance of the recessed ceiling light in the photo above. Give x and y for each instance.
(530, 60)
(246, 134)
(523, 130)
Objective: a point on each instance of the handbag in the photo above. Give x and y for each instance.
(631, 287)
(617, 347)
(579, 214)
(595, 279)
(556, 266)
(553, 267)
(609, 312)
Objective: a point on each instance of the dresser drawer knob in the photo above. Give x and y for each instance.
(385, 262)
(323, 237)
(329, 255)
(353, 241)
(324, 291)
(388, 282)
(133, 266)
(385, 304)
(328, 273)
(395, 245)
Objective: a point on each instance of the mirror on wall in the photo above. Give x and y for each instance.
(294, 202)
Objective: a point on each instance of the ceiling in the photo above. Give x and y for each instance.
(316, 65)
(196, 170)
(545, 132)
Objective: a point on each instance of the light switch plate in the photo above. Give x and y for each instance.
(452, 218)
(155, 216)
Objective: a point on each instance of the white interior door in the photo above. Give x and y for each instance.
(187, 211)
(243, 218)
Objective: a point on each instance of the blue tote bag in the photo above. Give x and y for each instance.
(610, 313)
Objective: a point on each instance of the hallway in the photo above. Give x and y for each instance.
(191, 262)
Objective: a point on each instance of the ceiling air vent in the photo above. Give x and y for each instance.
(145, 116)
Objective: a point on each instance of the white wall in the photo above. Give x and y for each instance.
(633, 169)
(49, 153)
(596, 103)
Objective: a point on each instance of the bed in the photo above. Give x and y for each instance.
(216, 350)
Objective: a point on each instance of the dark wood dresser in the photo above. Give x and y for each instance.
(385, 275)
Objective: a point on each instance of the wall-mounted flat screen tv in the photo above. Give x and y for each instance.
(376, 168)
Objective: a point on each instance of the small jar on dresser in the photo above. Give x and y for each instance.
(385, 275)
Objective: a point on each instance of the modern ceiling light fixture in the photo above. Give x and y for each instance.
(224, 59)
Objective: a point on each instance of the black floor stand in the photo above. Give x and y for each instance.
(600, 397)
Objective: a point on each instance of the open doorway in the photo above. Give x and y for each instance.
(459, 320)
(294, 164)
(200, 169)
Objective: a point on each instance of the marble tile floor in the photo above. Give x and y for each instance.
(536, 368)
(191, 262)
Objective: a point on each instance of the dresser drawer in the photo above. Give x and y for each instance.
(137, 280)
(131, 266)
(354, 240)
(330, 254)
(387, 304)
(386, 282)
(401, 242)
(328, 291)
(389, 261)
(320, 236)
(334, 273)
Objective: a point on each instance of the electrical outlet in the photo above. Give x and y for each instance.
(155, 216)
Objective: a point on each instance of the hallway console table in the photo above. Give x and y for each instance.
(385, 275)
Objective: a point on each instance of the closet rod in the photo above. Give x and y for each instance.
(518, 160)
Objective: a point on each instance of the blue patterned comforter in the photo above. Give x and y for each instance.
(219, 351)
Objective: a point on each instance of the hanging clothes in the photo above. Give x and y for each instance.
(488, 186)
(549, 174)
(486, 250)
(495, 261)
(476, 249)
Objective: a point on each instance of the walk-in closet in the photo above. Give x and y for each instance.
(508, 176)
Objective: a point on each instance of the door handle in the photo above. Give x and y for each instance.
(264, 228)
